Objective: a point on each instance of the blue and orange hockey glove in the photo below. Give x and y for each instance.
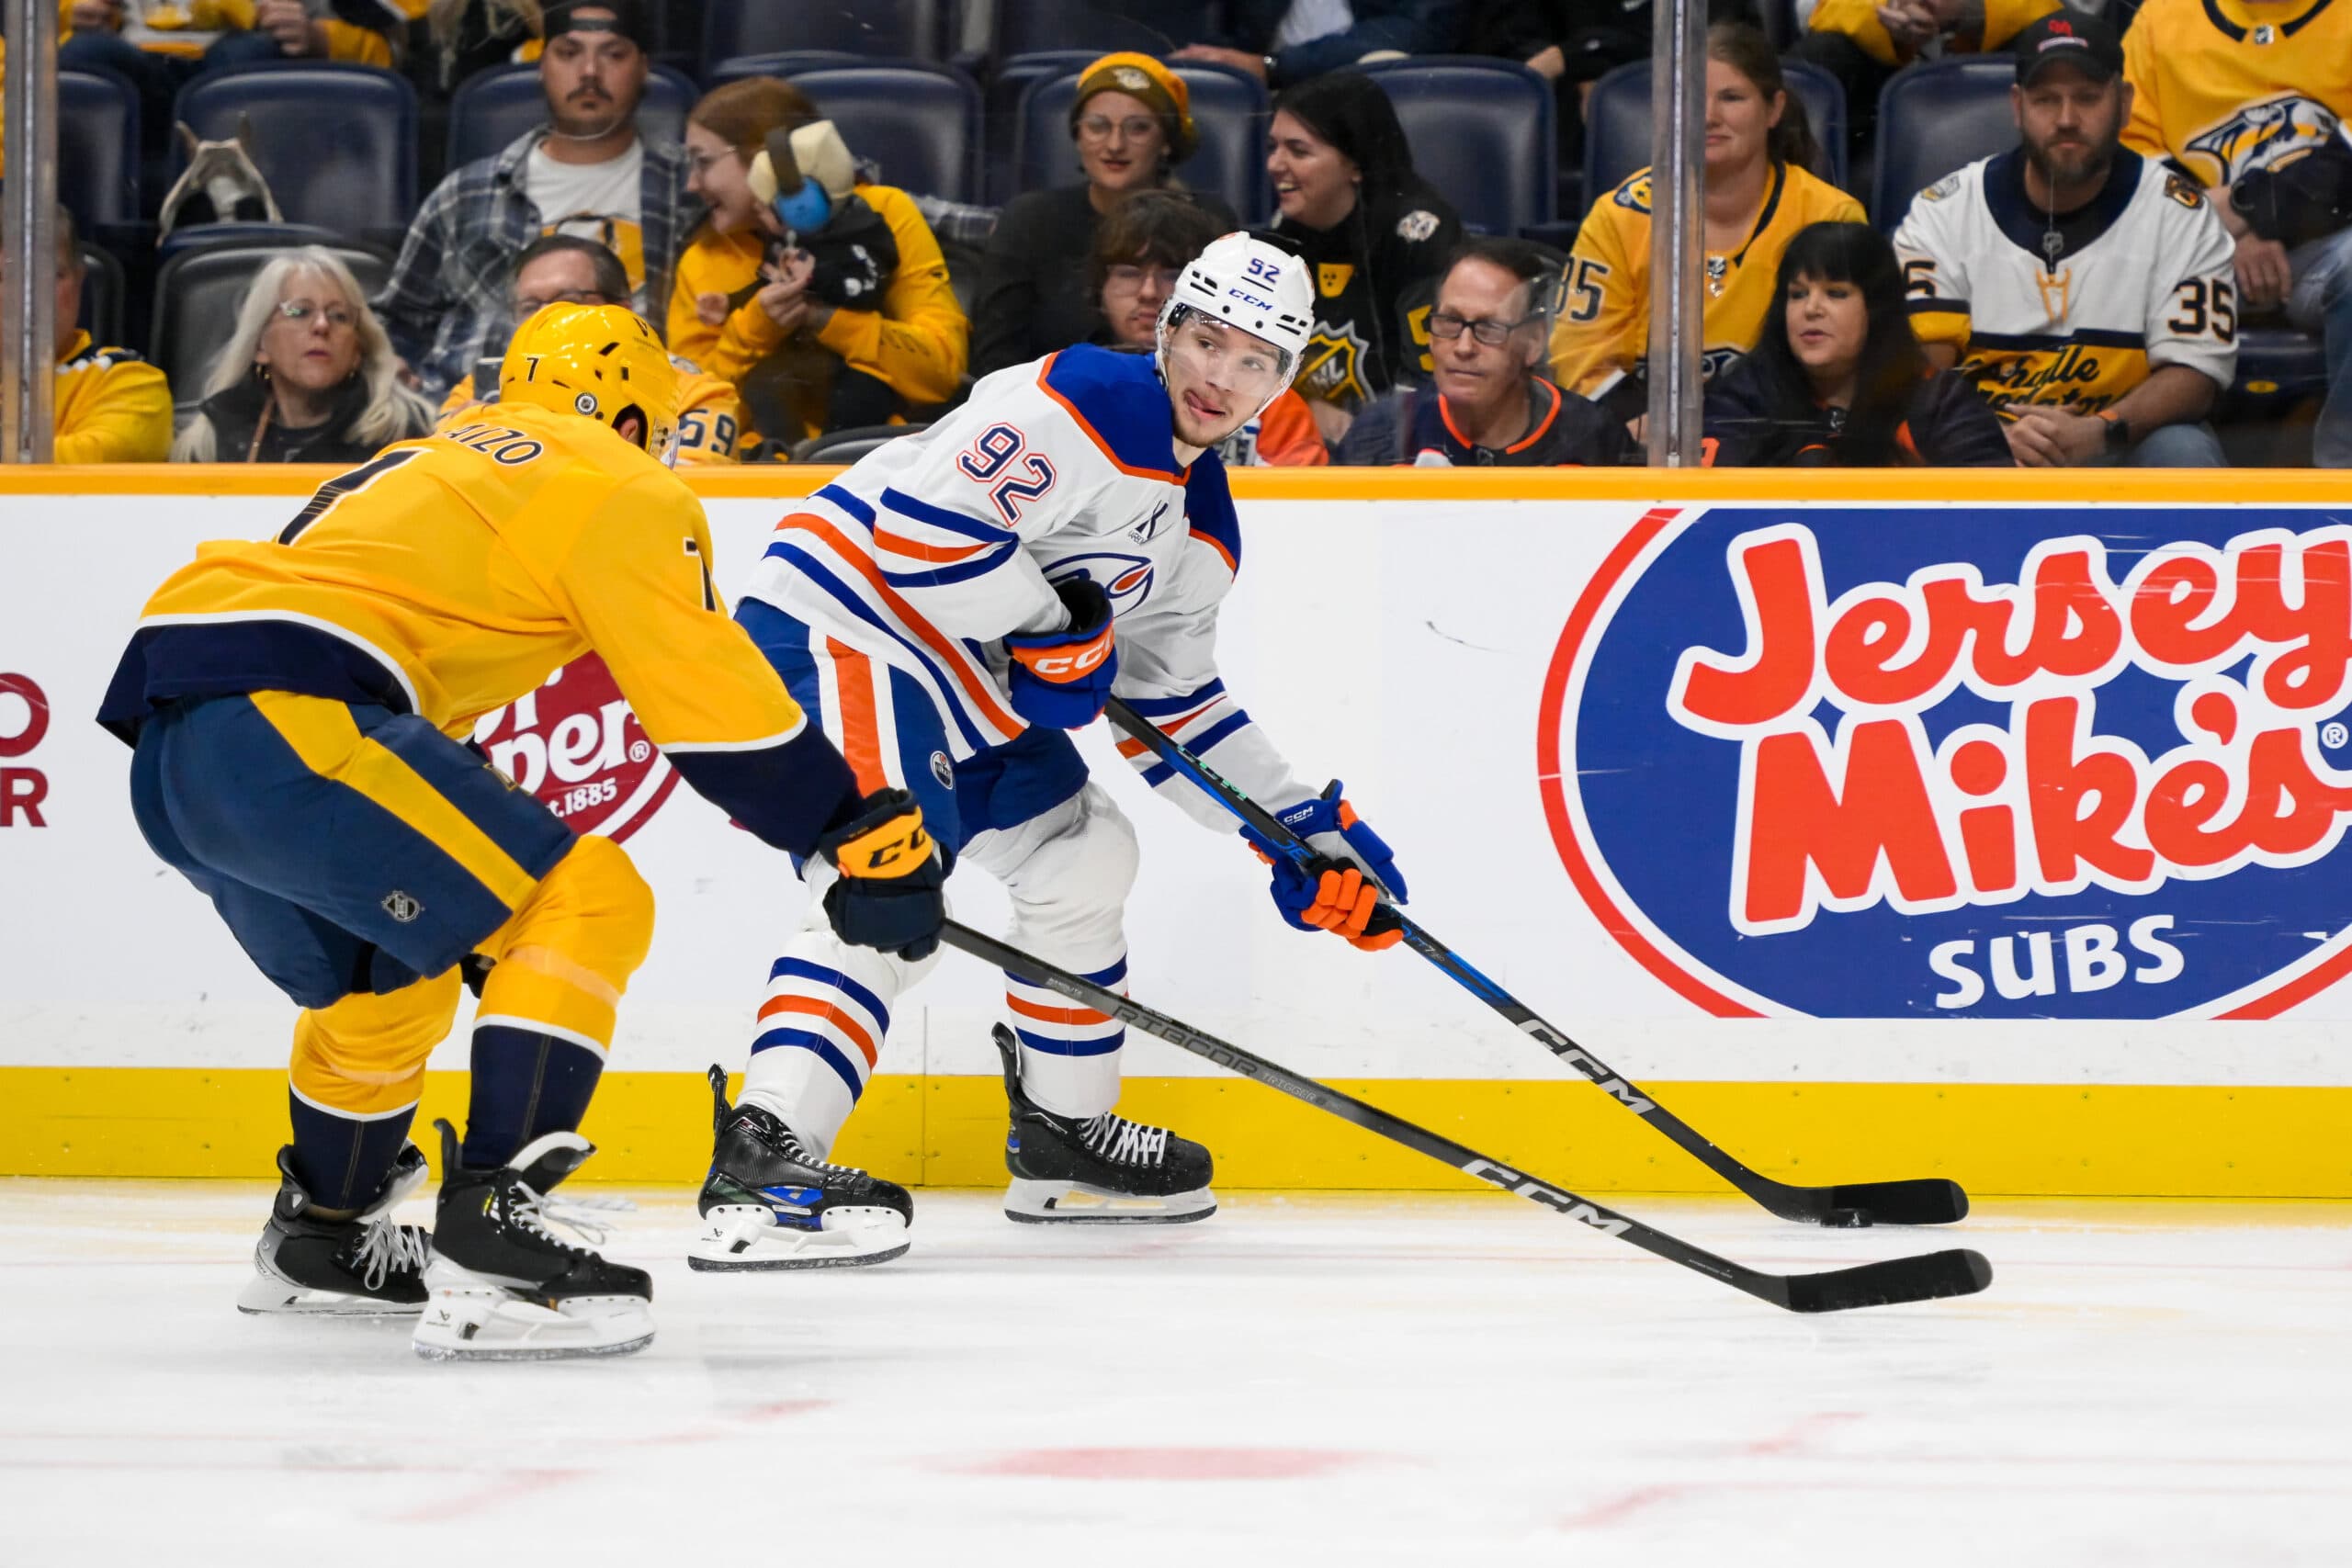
(1061, 680)
(891, 892)
(1340, 889)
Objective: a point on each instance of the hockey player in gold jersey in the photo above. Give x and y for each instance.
(295, 704)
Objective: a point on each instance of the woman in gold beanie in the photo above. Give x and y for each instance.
(1132, 124)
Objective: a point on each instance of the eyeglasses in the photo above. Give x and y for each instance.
(1098, 127)
(1487, 329)
(702, 162)
(1132, 277)
(338, 318)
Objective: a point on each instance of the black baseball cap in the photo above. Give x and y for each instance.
(624, 18)
(2081, 41)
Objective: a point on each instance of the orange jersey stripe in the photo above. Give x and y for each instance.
(915, 549)
(861, 726)
(815, 1008)
(1056, 1015)
(1230, 564)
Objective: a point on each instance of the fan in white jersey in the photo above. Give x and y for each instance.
(949, 609)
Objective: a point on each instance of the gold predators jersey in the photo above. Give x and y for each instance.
(453, 574)
(2074, 315)
(712, 426)
(2224, 86)
(1601, 332)
(2000, 21)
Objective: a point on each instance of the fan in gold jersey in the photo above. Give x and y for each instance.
(295, 704)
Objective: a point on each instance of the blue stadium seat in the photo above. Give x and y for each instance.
(790, 63)
(97, 164)
(2279, 368)
(917, 121)
(103, 295)
(1146, 27)
(1481, 133)
(1617, 124)
(1934, 117)
(872, 28)
(848, 446)
(493, 107)
(338, 144)
(1228, 107)
(1008, 88)
(196, 295)
(245, 236)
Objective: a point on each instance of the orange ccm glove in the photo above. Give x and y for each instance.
(1340, 888)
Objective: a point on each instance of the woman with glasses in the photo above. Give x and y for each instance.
(1132, 124)
(306, 376)
(1838, 380)
(1139, 252)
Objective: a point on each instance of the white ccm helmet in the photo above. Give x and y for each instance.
(1249, 284)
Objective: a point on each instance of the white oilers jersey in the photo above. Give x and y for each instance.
(2073, 312)
(932, 548)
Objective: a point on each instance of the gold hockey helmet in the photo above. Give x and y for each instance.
(599, 361)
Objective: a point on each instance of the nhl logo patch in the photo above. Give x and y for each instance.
(2266, 34)
(401, 906)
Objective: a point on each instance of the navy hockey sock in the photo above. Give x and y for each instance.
(340, 1159)
(526, 1083)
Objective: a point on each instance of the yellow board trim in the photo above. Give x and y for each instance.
(324, 737)
(1659, 487)
(2045, 1139)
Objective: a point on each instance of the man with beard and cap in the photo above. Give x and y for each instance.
(2086, 290)
(587, 172)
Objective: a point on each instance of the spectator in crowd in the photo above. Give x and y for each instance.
(1375, 233)
(2084, 291)
(1132, 124)
(1488, 408)
(1140, 252)
(1759, 194)
(564, 269)
(463, 37)
(822, 295)
(1286, 42)
(587, 172)
(2253, 97)
(1837, 379)
(1864, 42)
(306, 376)
(91, 34)
(109, 405)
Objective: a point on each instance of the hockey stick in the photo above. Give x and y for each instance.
(1923, 1200)
(1955, 1272)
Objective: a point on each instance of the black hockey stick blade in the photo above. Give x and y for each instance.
(1925, 1201)
(1928, 1276)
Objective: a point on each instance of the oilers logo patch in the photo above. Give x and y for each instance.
(942, 770)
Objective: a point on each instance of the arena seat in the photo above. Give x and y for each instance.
(338, 144)
(1934, 117)
(197, 294)
(246, 236)
(1007, 89)
(97, 164)
(1229, 106)
(1146, 27)
(849, 445)
(103, 293)
(871, 28)
(918, 121)
(1617, 124)
(493, 107)
(790, 63)
(1481, 133)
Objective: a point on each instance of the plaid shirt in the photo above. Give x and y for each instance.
(448, 293)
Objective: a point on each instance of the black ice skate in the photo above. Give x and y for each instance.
(1099, 1170)
(769, 1203)
(503, 1288)
(363, 1267)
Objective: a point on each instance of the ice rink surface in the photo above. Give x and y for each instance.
(1342, 1378)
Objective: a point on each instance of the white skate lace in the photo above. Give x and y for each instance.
(384, 1247)
(1122, 1142)
(531, 1211)
(798, 1152)
(587, 1218)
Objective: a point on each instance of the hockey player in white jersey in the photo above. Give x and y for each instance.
(950, 608)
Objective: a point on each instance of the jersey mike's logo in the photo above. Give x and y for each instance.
(576, 745)
(1961, 762)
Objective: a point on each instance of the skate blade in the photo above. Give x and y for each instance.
(471, 1321)
(1033, 1203)
(266, 1297)
(742, 1238)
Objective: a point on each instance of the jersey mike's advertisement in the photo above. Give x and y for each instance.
(1964, 762)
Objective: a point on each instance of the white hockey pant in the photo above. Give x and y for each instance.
(820, 1028)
